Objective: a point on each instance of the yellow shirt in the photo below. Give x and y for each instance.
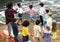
(25, 31)
(53, 35)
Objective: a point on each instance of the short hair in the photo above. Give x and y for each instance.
(25, 23)
(37, 22)
(19, 4)
(14, 20)
(48, 27)
(41, 4)
(54, 25)
(30, 6)
(9, 5)
(47, 11)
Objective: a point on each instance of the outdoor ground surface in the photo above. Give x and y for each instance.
(4, 37)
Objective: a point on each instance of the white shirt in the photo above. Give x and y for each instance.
(42, 11)
(49, 22)
(20, 10)
(46, 31)
(37, 31)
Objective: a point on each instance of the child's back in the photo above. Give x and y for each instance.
(37, 31)
(46, 35)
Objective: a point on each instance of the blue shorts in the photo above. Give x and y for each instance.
(19, 15)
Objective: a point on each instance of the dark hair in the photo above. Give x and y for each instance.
(54, 25)
(37, 22)
(25, 23)
(19, 4)
(9, 5)
(30, 6)
(14, 20)
(41, 4)
(47, 11)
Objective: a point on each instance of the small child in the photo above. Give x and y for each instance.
(54, 35)
(25, 31)
(41, 12)
(45, 18)
(20, 12)
(15, 29)
(49, 20)
(37, 31)
(31, 12)
(47, 34)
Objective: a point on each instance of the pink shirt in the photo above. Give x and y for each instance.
(31, 12)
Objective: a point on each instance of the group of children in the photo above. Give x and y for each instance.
(44, 28)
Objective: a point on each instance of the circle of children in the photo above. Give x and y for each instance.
(44, 28)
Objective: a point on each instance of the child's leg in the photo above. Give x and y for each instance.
(41, 19)
(45, 22)
(16, 38)
(31, 18)
(24, 38)
(21, 19)
(9, 29)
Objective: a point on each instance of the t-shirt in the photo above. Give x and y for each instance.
(25, 31)
(31, 12)
(37, 31)
(20, 10)
(49, 22)
(45, 17)
(42, 11)
(54, 35)
(9, 14)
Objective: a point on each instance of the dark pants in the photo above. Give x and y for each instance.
(25, 38)
(41, 19)
(16, 38)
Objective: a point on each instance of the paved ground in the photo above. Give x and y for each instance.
(4, 37)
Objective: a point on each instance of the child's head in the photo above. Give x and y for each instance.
(19, 4)
(37, 22)
(9, 5)
(14, 20)
(30, 6)
(48, 27)
(50, 14)
(41, 4)
(47, 11)
(54, 25)
(25, 23)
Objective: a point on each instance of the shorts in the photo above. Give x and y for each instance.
(20, 15)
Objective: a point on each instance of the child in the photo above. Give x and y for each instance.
(31, 12)
(47, 34)
(15, 29)
(9, 14)
(49, 20)
(54, 35)
(41, 12)
(20, 12)
(37, 31)
(45, 18)
(25, 31)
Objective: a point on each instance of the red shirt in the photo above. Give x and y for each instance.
(9, 14)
